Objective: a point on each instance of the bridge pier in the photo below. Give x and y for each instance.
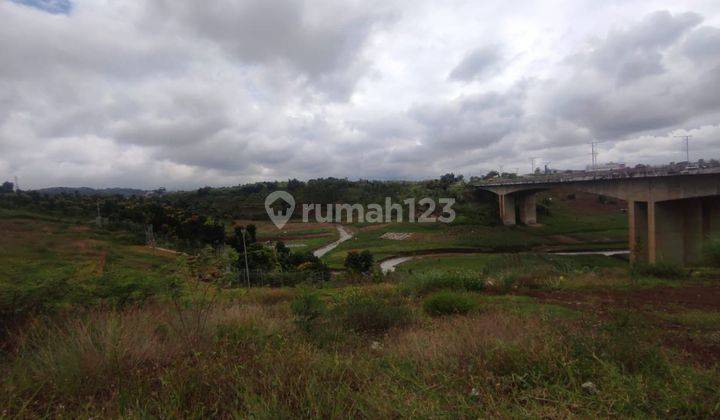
(507, 209)
(528, 209)
(523, 203)
(711, 217)
(670, 231)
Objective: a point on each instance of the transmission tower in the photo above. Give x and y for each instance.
(594, 154)
(686, 140)
(532, 164)
(17, 186)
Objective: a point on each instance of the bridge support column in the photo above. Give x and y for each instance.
(711, 217)
(638, 230)
(670, 231)
(693, 230)
(528, 209)
(507, 209)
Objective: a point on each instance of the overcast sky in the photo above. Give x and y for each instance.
(183, 94)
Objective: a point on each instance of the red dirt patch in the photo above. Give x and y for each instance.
(563, 239)
(661, 298)
(650, 301)
(293, 238)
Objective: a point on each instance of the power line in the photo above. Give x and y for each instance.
(686, 140)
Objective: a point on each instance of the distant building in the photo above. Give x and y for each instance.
(610, 166)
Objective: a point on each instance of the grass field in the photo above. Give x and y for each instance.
(578, 224)
(102, 332)
(58, 263)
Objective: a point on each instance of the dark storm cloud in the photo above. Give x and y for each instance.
(476, 64)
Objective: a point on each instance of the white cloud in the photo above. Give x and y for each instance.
(182, 94)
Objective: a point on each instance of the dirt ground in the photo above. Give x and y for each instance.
(661, 298)
(702, 347)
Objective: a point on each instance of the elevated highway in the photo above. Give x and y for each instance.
(670, 214)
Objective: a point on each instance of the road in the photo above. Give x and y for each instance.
(344, 236)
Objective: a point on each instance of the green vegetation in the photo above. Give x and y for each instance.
(449, 303)
(430, 281)
(95, 324)
(711, 251)
(659, 270)
(359, 262)
(307, 308)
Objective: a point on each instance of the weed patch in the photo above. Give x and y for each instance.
(449, 303)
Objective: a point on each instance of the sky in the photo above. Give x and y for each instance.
(182, 93)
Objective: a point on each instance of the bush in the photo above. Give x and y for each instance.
(661, 270)
(437, 280)
(307, 308)
(449, 303)
(359, 262)
(372, 315)
(711, 252)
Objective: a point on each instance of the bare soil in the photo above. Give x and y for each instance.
(700, 347)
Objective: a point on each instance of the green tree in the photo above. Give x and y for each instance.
(7, 187)
(359, 262)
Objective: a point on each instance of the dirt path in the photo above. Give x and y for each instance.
(344, 236)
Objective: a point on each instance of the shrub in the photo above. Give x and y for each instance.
(307, 308)
(437, 280)
(359, 262)
(366, 314)
(661, 270)
(711, 251)
(449, 303)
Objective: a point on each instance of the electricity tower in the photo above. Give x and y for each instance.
(686, 140)
(532, 164)
(594, 153)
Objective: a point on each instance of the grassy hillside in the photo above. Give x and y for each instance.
(566, 224)
(105, 334)
(48, 264)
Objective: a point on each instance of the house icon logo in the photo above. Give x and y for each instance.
(280, 217)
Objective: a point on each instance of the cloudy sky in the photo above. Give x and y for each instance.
(183, 94)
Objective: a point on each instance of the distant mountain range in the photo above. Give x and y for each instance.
(126, 192)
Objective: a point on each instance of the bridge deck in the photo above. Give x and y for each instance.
(592, 177)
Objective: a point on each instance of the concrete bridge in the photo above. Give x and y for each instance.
(670, 214)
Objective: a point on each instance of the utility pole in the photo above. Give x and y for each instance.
(17, 186)
(247, 269)
(686, 140)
